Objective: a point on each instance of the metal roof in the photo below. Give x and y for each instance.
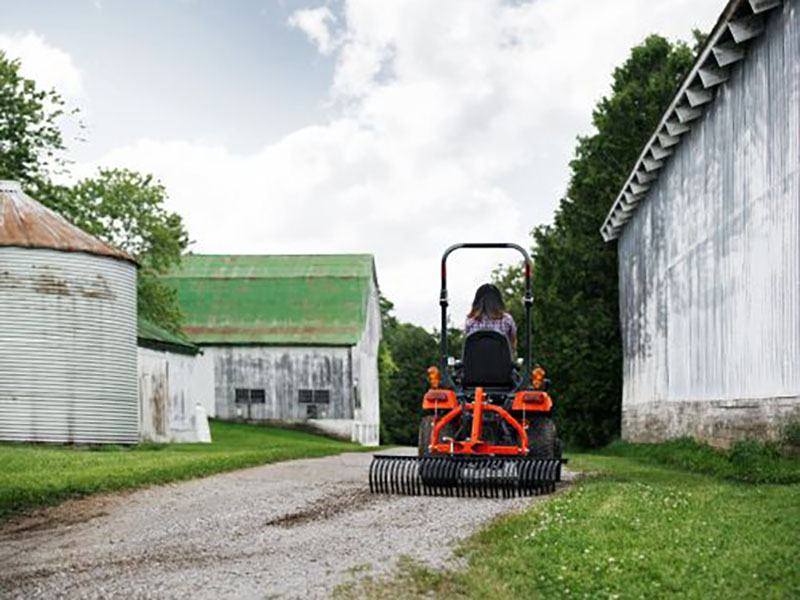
(26, 223)
(740, 21)
(150, 335)
(274, 299)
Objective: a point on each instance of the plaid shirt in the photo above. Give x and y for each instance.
(504, 324)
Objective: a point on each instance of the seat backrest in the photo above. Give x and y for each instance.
(487, 360)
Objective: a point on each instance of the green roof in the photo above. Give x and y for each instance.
(151, 335)
(274, 299)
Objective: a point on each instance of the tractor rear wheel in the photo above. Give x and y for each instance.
(542, 439)
(425, 430)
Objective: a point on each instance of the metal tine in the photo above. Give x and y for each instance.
(396, 467)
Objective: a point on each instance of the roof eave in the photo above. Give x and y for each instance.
(723, 48)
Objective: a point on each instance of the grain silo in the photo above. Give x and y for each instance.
(67, 330)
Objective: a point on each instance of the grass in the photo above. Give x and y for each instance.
(646, 524)
(33, 475)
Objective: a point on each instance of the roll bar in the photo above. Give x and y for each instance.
(443, 301)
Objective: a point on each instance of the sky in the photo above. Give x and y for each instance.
(389, 127)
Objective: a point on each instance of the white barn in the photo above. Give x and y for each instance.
(292, 338)
(176, 387)
(708, 231)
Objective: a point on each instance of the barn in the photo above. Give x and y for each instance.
(176, 387)
(708, 233)
(292, 338)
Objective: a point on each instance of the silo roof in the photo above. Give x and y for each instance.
(274, 299)
(26, 223)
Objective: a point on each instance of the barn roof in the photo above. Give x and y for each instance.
(26, 223)
(150, 335)
(740, 22)
(274, 299)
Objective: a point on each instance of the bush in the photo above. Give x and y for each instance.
(747, 461)
(791, 436)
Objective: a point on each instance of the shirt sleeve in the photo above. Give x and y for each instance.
(512, 327)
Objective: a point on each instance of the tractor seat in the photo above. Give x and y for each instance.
(487, 360)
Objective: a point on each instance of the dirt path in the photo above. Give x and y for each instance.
(293, 529)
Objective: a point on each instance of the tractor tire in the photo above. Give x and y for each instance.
(425, 430)
(542, 439)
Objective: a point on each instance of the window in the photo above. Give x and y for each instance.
(306, 396)
(311, 411)
(250, 396)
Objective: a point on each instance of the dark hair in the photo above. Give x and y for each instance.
(488, 302)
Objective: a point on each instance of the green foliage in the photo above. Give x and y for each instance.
(126, 209)
(406, 353)
(36, 475)
(791, 436)
(632, 529)
(576, 311)
(31, 142)
(121, 207)
(747, 461)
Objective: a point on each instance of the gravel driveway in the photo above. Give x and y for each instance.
(292, 529)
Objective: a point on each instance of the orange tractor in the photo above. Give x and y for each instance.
(487, 428)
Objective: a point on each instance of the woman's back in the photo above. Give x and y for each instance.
(488, 313)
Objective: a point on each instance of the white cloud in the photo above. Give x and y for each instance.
(49, 66)
(454, 121)
(316, 23)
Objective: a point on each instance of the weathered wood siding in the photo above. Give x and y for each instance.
(171, 386)
(710, 264)
(281, 372)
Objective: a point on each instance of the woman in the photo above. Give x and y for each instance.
(489, 312)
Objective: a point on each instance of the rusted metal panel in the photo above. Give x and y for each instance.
(710, 262)
(28, 224)
(67, 347)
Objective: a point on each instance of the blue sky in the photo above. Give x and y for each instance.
(394, 127)
(233, 73)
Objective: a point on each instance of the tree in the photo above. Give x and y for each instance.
(31, 142)
(123, 208)
(126, 209)
(576, 315)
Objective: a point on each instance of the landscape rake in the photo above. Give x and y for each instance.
(487, 429)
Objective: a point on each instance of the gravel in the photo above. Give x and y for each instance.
(292, 529)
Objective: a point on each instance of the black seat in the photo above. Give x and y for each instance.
(487, 360)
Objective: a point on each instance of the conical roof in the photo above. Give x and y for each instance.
(27, 223)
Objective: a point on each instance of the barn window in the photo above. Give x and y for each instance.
(309, 396)
(311, 411)
(250, 396)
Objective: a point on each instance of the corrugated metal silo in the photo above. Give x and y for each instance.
(67, 330)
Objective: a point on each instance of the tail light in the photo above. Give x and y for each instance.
(537, 378)
(434, 377)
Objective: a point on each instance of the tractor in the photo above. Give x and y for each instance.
(487, 428)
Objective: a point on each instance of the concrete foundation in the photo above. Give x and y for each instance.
(717, 422)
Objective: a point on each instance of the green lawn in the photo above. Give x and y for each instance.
(637, 528)
(33, 475)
